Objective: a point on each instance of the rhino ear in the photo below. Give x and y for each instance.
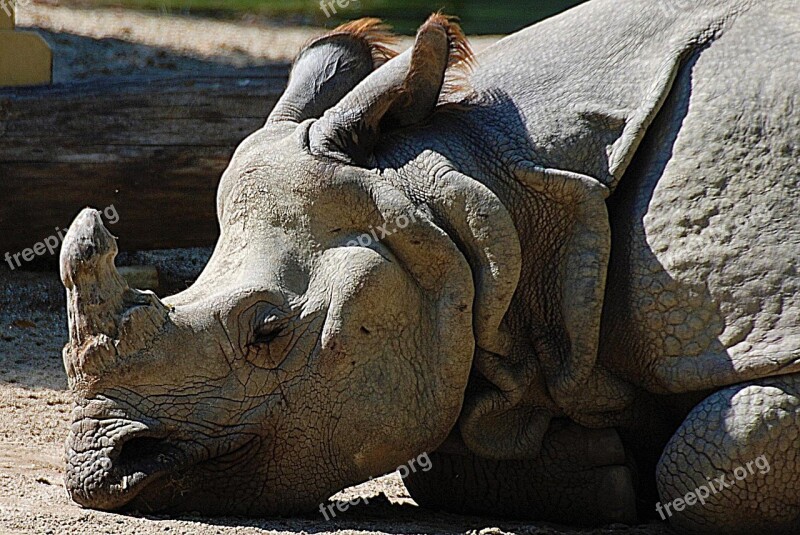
(330, 66)
(402, 92)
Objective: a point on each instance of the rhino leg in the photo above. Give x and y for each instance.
(579, 477)
(732, 466)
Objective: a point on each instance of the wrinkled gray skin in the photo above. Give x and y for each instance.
(598, 277)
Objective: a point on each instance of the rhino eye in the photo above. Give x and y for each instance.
(266, 335)
(269, 329)
(270, 342)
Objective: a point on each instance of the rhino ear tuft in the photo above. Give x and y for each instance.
(329, 67)
(461, 59)
(375, 34)
(403, 92)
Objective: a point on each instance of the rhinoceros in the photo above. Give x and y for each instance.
(566, 267)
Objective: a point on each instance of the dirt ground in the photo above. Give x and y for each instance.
(34, 403)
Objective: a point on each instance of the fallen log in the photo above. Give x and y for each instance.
(153, 149)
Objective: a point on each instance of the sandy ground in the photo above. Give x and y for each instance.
(34, 403)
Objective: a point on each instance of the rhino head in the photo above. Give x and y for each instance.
(305, 358)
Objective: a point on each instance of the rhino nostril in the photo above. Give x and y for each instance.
(139, 449)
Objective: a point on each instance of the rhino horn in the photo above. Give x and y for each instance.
(95, 289)
(101, 308)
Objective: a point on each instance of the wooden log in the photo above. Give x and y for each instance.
(154, 149)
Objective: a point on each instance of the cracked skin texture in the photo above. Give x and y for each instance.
(709, 254)
(600, 273)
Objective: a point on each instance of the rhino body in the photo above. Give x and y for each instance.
(574, 262)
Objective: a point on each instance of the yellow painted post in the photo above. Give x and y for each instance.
(25, 58)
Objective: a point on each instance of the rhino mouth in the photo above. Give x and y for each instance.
(111, 463)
